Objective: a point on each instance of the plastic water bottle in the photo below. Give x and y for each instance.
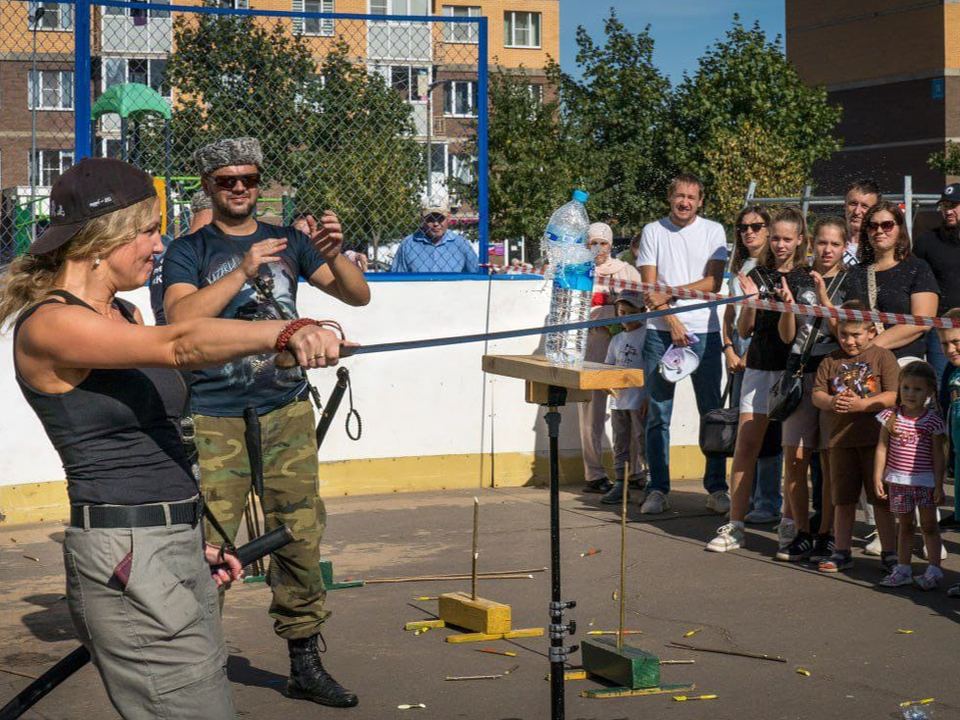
(572, 265)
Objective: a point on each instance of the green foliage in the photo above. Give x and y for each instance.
(747, 79)
(532, 160)
(946, 161)
(617, 112)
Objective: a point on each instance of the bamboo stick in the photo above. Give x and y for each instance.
(442, 578)
(623, 552)
(476, 525)
(737, 653)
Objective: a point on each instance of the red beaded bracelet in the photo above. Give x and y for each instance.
(290, 329)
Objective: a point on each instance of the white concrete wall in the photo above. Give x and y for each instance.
(413, 402)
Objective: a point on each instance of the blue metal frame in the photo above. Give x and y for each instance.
(82, 102)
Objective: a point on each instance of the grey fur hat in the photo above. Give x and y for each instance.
(200, 201)
(231, 151)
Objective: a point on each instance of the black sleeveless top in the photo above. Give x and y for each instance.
(117, 432)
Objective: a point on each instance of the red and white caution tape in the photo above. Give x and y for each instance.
(795, 308)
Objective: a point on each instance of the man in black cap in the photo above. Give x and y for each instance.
(940, 247)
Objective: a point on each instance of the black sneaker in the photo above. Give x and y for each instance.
(614, 495)
(888, 561)
(823, 548)
(598, 487)
(840, 560)
(798, 549)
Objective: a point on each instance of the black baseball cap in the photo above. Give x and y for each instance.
(951, 193)
(91, 188)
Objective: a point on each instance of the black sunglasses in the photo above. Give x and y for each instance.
(756, 227)
(229, 182)
(435, 218)
(886, 225)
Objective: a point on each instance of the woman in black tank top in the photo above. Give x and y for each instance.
(109, 394)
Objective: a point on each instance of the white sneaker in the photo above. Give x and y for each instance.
(761, 517)
(719, 502)
(943, 552)
(873, 547)
(655, 503)
(729, 537)
(786, 533)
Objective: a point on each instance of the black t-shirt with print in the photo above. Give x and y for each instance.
(940, 249)
(800, 280)
(767, 351)
(894, 290)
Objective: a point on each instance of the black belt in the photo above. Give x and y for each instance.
(188, 512)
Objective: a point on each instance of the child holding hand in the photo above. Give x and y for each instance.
(910, 461)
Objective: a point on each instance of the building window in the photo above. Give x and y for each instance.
(399, 7)
(536, 93)
(322, 27)
(140, 15)
(54, 16)
(521, 29)
(152, 73)
(230, 4)
(460, 99)
(461, 168)
(48, 165)
(50, 90)
(410, 82)
(466, 32)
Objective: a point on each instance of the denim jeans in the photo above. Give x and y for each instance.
(706, 388)
(935, 354)
(768, 480)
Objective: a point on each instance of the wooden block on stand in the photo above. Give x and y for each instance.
(585, 376)
(480, 615)
(629, 667)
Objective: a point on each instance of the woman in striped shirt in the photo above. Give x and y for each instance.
(910, 462)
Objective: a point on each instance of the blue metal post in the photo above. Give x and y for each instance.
(483, 128)
(82, 83)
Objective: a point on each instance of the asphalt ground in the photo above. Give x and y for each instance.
(842, 629)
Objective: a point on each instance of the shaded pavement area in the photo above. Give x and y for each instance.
(840, 628)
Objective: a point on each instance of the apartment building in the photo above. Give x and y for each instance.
(434, 68)
(894, 66)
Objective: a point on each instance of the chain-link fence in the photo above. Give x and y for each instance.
(375, 117)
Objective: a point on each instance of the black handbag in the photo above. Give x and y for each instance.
(786, 393)
(718, 432)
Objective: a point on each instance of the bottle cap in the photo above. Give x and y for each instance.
(580, 195)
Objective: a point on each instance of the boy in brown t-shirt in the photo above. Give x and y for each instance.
(852, 385)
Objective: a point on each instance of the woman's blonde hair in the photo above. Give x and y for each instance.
(29, 278)
(795, 217)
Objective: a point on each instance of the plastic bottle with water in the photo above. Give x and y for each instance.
(572, 266)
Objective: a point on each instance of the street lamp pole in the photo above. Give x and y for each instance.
(430, 88)
(34, 160)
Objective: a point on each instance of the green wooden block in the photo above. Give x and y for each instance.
(629, 667)
(326, 572)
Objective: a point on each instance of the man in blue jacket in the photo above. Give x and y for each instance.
(434, 248)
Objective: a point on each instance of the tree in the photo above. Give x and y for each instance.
(745, 84)
(946, 161)
(532, 160)
(617, 112)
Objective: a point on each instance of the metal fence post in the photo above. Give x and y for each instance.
(483, 210)
(908, 204)
(805, 204)
(751, 191)
(82, 80)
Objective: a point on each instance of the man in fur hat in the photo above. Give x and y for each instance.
(237, 267)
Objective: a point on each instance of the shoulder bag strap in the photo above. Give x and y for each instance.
(818, 323)
(872, 294)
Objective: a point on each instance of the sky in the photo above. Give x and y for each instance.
(682, 29)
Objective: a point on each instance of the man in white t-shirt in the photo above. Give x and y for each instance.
(682, 250)
(862, 195)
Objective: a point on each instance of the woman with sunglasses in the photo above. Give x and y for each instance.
(766, 360)
(903, 283)
(750, 248)
(593, 414)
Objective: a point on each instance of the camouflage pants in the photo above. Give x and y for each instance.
(291, 495)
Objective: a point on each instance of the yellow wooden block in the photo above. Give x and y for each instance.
(421, 624)
(480, 615)
(523, 633)
(483, 637)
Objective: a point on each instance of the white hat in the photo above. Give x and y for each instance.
(678, 363)
(600, 231)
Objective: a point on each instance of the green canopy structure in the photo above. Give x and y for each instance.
(131, 100)
(136, 102)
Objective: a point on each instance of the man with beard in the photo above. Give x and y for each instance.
(236, 267)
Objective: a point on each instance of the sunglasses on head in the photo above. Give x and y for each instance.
(229, 182)
(435, 218)
(886, 225)
(756, 227)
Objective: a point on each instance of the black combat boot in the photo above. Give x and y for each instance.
(309, 681)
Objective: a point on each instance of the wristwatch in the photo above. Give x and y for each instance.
(727, 345)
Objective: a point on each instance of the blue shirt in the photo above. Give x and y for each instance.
(453, 254)
(202, 258)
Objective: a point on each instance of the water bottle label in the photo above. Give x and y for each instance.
(565, 239)
(575, 277)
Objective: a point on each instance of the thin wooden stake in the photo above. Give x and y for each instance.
(476, 526)
(737, 653)
(623, 552)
